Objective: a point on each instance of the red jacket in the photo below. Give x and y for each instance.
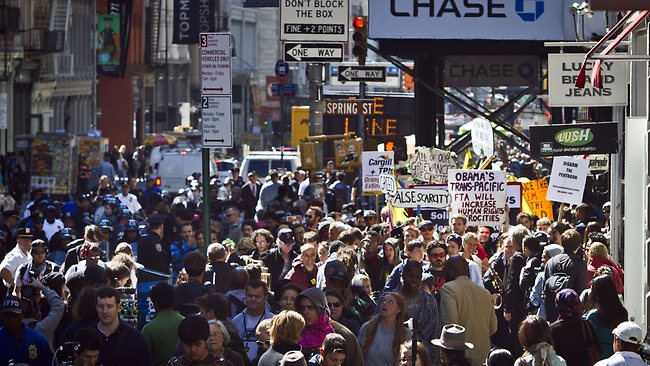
(617, 272)
(298, 275)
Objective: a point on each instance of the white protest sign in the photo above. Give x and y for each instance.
(431, 165)
(482, 137)
(480, 195)
(563, 70)
(425, 198)
(388, 184)
(374, 164)
(568, 177)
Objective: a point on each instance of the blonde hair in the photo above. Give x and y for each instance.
(286, 327)
(598, 250)
(264, 327)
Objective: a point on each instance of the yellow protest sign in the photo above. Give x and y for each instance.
(535, 193)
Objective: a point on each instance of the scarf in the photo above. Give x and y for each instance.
(541, 352)
(313, 336)
(567, 302)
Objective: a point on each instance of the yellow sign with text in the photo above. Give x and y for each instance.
(534, 192)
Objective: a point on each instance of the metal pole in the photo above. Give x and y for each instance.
(205, 177)
(167, 43)
(361, 134)
(316, 107)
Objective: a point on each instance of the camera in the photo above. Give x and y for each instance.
(28, 291)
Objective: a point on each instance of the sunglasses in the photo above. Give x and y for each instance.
(437, 255)
(263, 343)
(334, 304)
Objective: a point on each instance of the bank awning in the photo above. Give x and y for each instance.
(634, 18)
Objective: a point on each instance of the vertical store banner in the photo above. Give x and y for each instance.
(374, 164)
(480, 195)
(563, 70)
(113, 31)
(535, 193)
(192, 17)
(568, 177)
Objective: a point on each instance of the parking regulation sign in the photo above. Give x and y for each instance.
(216, 64)
(216, 117)
(314, 20)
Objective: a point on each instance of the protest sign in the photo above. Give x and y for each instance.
(482, 137)
(431, 165)
(388, 184)
(375, 163)
(535, 193)
(568, 177)
(480, 195)
(425, 198)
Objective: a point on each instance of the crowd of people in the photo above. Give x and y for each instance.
(290, 278)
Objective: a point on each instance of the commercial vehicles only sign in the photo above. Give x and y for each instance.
(216, 65)
(314, 20)
(563, 70)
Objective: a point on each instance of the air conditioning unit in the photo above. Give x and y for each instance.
(55, 65)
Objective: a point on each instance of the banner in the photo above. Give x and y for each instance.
(431, 165)
(480, 195)
(568, 177)
(374, 164)
(456, 19)
(487, 70)
(422, 197)
(113, 38)
(535, 193)
(574, 139)
(192, 17)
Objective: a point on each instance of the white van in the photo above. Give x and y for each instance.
(263, 161)
(176, 165)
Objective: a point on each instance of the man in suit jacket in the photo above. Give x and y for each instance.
(250, 194)
(463, 302)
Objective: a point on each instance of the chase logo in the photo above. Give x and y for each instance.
(529, 10)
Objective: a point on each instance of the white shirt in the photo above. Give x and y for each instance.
(51, 229)
(622, 358)
(131, 202)
(14, 259)
(475, 273)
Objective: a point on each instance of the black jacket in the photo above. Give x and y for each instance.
(574, 266)
(218, 275)
(277, 268)
(154, 254)
(514, 300)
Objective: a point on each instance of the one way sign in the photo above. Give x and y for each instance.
(313, 52)
(362, 73)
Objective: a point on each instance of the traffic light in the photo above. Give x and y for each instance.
(360, 37)
(347, 153)
(308, 155)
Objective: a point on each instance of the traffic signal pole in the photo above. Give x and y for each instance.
(316, 107)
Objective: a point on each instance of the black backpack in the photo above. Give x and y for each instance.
(552, 285)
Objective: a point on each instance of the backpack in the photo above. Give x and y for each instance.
(238, 304)
(552, 285)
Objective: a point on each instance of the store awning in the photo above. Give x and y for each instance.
(634, 18)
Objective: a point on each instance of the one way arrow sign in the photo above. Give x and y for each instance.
(313, 52)
(362, 73)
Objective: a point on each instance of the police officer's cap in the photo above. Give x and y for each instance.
(25, 232)
(106, 225)
(132, 225)
(156, 220)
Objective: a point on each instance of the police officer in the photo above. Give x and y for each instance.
(15, 258)
(153, 253)
(131, 235)
(37, 267)
(107, 244)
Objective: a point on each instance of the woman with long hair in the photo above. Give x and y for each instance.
(605, 312)
(535, 337)
(599, 257)
(381, 337)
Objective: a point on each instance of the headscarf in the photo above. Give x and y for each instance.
(313, 336)
(567, 302)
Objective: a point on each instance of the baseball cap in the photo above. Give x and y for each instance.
(38, 243)
(286, 236)
(629, 332)
(11, 304)
(455, 238)
(25, 232)
(542, 237)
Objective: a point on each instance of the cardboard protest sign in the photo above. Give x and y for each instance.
(425, 198)
(535, 193)
(431, 165)
(375, 163)
(482, 137)
(568, 177)
(480, 195)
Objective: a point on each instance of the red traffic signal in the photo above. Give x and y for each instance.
(359, 23)
(360, 38)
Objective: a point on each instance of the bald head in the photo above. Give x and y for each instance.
(455, 266)
(238, 278)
